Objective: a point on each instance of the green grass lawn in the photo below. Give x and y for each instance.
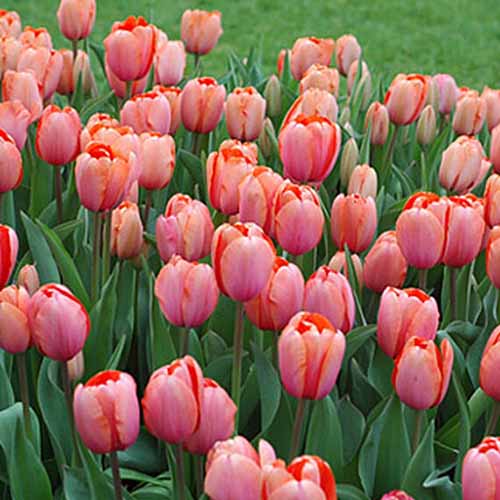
(460, 37)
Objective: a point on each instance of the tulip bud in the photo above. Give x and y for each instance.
(23, 86)
(492, 99)
(321, 77)
(364, 83)
(310, 351)
(201, 30)
(363, 181)
(493, 257)
(347, 50)
(169, 62)
(15, 336)
(173, 95)
(406, 98)
(339, 263)
(309, 51)
(426, 126)
(149, 112)
(245, 112)
(76, 18)
(265, 143)
(470, 113)
(157, 159)
(10, 23)
(9, 246)
(448, 92)
(28, 278)
(378, 117)
(272, 94)
(76, 367)
(11, 163)
(397, 495)
(348, 161)
(126, 231)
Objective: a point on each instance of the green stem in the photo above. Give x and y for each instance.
(423, 170)
(276, 336)
(58, 188)
(197, 143)
(147, 208)
(115, 467)
(422, 279)
(179, 463)
(199, 474)
(492, 422)
(106, 258)
(96, 250)
(237, 357)
(1, 207)
(75, 49)
(297, 428)
(387, 163)
(419, 417)
(25, 396)
(453, 292)
(197, 60)
(128, 91)
(184, 342)
(68, 394)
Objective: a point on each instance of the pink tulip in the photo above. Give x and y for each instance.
(309, 51)
(320, 77)
(200, 30)
(313, 102)
(15, 119)
(28, 278)
(169, 62)
(119, 87)
(242, 258)
(448, 92)
(9, 245)
(10, 23)
(10, 50)
(492, 99)
(377, 117)
(149, 112)
(58, 322)
(422, 373)
(76, 18)
(248, 149)
(36, 37)
(328, 292)
(495, 148)
(11, 163)
(173, 95)
(15, 335)
(22, 86)
(298, 218)
(363, 181)
(470, 113)
(281, 298)
(157, 160)
(339, 263)
(245, 113)
(364, 82)
(126, 231)
(347, 50)
(310, 355)
(426, 126)
(106, 410)
(304, 489)
(406, 98)
(316, 470)
(397, 495)
(488, 377)
(493, 257)
(173, 400)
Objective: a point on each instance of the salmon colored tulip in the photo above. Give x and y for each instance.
(348, 161)
(15, 119)
(58, 322)
(339, 263)
(102, 119)
(76, 18)
(119, 87)
(185, 230)
(28, 278)
(493, 257)
(310, 351)
(10, 23)
(406, 98)
(403, 314)
(9, 245)
(173, 399)
(22, 86)
(363, 181)
(249, 149)
(480, 475)
(492, 99)
(364, 83)
(491, 200)
(58, 135)
(488, 371)
(246, 248)
(130, 48)
(281, 298)
(126, 231)
(187, 292)
(245, 113)
(298, 218)
(353, 221)
(377, 117)
(304, 489)
(313, 102)
(426, 126)
(397, 495)
(309, 51)
(377, 275)
(320, 77)
(448, 92)
(106, 410)
(173, 95)
(470, 113)
(200, 30)
(256, 195)
(217, 419)
(83, 71)
(36, 37)
(149, 112)
(11, 163)
(309, 147)
(157, 160)
(15, 335)
(66, 85)
(202, 105)
(169, 62)
(312, 468)
(347, 50)
(10, 50)
(495, 148)
(422, 373)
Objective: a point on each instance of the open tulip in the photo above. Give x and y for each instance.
(76, 18)
(11, 163)
(406, 98)
(363, 181)
(245, 113)
(119, 87)
(28, 278)
(249, 149)
(313, 102)
(377, 117)
(319, 76)
(10, 23)
(493, 256)
(22, 86)
(15, 335)
(173, 95)
(200, 30)
(169, 62)
(470, 113)
(492, 99)
(309, 51)
(126, 231)
(9, 246)
(448, 92)
(149, 112)
(36, 37)
(313, 468)
(347, 50)
(422, 373)
(106, 412)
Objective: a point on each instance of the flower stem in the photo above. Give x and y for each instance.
(106, 258)
(58, 188)
(128, 91)
(199, 473)
(276, 336)
(417, 430)
(422, 279)
(184, 341)
(115, 467)
(237, 357)
(68, 393)
(387, 163)
(492, 422)
(147, 208)
(75, 49)
(96, 251)
(297, 428)
(23, 388)
(179, 463)
(453, 292)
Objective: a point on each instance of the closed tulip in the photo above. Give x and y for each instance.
(309, 147)
(272, 95)
(321, 77)
(363, 181)
(348, 161)
(426, 126)
(149, 112)
(313, 468)
(10, 50)
(11, 163)
(106, 412)
(492, 99)
(470, 113)
(488, 376)
(15, 119)
(22, 86)
(10, 23)
(245, 113)
(28, 278)
(364, 84)
(58, 135)
(36, 37)
(76, 18)
(377, 275)
(200, 30)
(126, 231)
(397, 495)
(492, 200)
(173, 399)
(495, 148)
(422, 373)
(15, 335)
(313, 102)
(169, 62)
(119, 87)
(173, 95)
(406, 98)
(281, 298)
(309, 51)
(74, 72)
(347, 50)
(9, 245)
(339, 263)
(202, 105)
(58, 322)
(298, 218)
(493, 256)
(377, 117)
(304, 489)
(66, 85)
(76, 367)
(448, 92)
(310, 351)
(157, 160)
(280, 61)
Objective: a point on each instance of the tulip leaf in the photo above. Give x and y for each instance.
(444, 489)
(6, 393)
(348, 492)
(364, 395)
(356, 338)
(249, 403)
(115, 358)
(281, 429)
(353, 426)
(75, 484)
(144, 455)
(380, 372)
(193, 164)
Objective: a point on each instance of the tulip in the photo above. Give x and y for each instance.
(309, 51)
(492, 201)
(448, 92)
(426, 127)
(22, 86)
(10, 50)
(422, 373)
(339, 263)
(130, 48)
(470, 113)
(377, 117)
(406, 98)
(432, 94)
(348, 161)
(313, 102)
(66, 85)
(309, 147)
(187, 292)
(14, 120)
(216, 420)
(106, 412)
(266, 145)
(256, 194)
(200, 30)
(363, 181)
(377, 275)
(298, 218)
(76, 18)
(36, 37)
(58, 322)
(10, 23)
(397, 495)
(9, 246)
(320, 77)
(102, 119)
(488, 378)
(149, 112)
(495, 148)
(493, 257)
(76, 367)
(353, 221)
(492, 99)
(310, 355)
(122, 139)
(157, 159)
(280, 62)
(272, 95)
(249, 149)
(173, 95)
(119, 87)
(202, 105)
(169, 63)
(58, 135)
(480, 476)
(364, 83)
(281, 298)
(28, 278)
(173, 400)
(11, 163)
(316, 470)
(245, 112)
(245, 247)
(126, 231)
(15, 336)
(347, 50)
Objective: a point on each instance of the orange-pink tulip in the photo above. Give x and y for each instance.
(493, 256)
(157, 160)
(10, 23)
(201, 30)
(169, 62)
(245, 113)
(492, 200)
(397, 495)
(9, 245)
(347, 50)
(36, 37)
(23, 86)
(309, 51)
(149, 112)
(488, 371)
(11, 163)
(76, 18)
(173, 95)
(313, 102)
(492, 99)
(448, 92)
(377, 117)
(339, 263)
(495, 148)
(320, 77)
(28, 278)
(10, 50)
(15, 119)
(316, 470)
(126, 231)
(119, 87)
(364, 81)
(470, 113)
(363, 181)
(15, 335)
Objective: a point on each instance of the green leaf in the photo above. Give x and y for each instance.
(380, 372)
(115, 358)
(364, 395)
(348, 492)
(6, 393)
(145, 455)
(356, 338)
(465, 424)
(353, 428)
(75, 484)
(281, 429)
(193, 164)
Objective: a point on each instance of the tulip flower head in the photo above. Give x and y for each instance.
(15, 334)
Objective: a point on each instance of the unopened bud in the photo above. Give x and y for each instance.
(272, 94)
(363, 181)
(83, 70)
(426, 127)
(28, 278)
(265, 142)
(433, 94)
(345, 116)
(348, 161)
(76, 367)
(378, 117)
(363, 86)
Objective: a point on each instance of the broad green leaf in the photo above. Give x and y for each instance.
(364, 395)
(281, 429)
(353, 427)
(356, 338)
(75, 484)
(144, 455)
(348, 492)
(6, 393)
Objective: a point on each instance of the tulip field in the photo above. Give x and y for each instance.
(253, 282)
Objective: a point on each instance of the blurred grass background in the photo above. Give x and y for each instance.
(460, 37)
